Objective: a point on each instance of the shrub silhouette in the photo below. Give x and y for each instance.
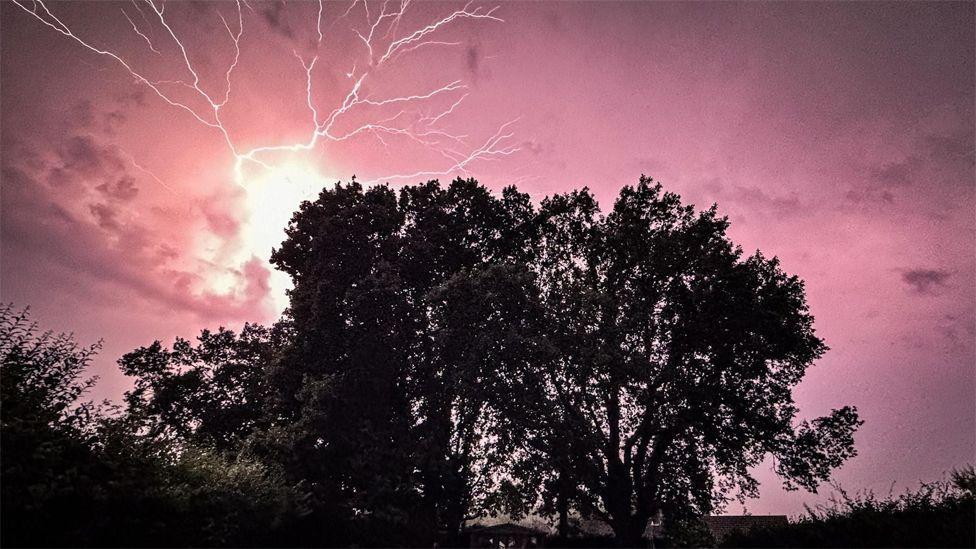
(940, 514)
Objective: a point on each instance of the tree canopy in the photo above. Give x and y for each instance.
(637, 360)
(380, 374)
(450, 353)
(675, 359)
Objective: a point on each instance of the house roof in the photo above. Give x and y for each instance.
(720, 525)
(723, 525)
(507, 528)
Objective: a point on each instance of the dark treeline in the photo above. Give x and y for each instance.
(939, 514)
(447, 354)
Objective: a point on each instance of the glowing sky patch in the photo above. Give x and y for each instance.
(272, 197)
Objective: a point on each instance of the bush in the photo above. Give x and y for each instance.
(940, 514)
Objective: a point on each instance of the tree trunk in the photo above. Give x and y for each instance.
(629, 531)
(563, 504)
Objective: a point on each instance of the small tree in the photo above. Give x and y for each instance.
(76, 476)
(211, 394)
(45, 432)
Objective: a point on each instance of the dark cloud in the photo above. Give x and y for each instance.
(944, 157)
(774, 203)
(257, 281)
(953, 148)
(273, 14)
(82, 114)
(220, 220)
(925, 281)
(886, 180)
(135, 98)
(58, 177)
(105, 216)
(123, 189)
(114, 119)
(897, 174)
(37, 229)
(166, 252)
(84, 155)
(756, 199)
(868, 195)
(60, 214)
(532, 146)
(472, 59)
(554, 20)
(81, 154)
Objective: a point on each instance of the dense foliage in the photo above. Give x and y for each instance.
(448, 354)
(209, 394)
(675, 360)
(386, 401)
(76, 476)
(936, 515)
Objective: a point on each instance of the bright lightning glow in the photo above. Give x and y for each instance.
(274, 186)
(272, 196)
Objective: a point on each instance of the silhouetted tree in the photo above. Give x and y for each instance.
(487, 329)
(73, 476)
(45, 446)
(211, 394)
(365, 403)
(677, 356)
(447, 353)
(654, 362)
(450, 238)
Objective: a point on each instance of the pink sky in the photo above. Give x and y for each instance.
(838, 136)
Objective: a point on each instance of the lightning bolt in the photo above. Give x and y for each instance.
(135, 164)
(382, 46)
(137, 31)
(417, 120)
